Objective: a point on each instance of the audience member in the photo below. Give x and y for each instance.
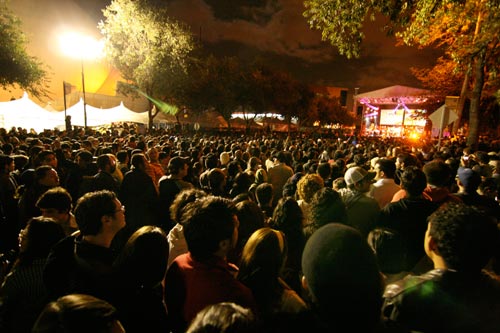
(456, 296)
(78, 313)
(210, 228)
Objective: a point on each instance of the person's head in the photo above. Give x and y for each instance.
(7, 164)
(262, 259)
(78, 313)
(223, 317)
(144, 256)
(404, 160)
(46, 175)
(216, 179)
(389, 249)
(385, 168)
(98, 212)
(326, 206)
(210, 227)
(437, 173)
(413, 181)
(37, 239)
(153, 154)
(46, 157)
(139, 161)
(358, 179)
(55, 203)
(287, 214)
(463, 236)
(264, 194)
(342, 278)
(106, 163)
(308, 185)
(183, 198)
(123, 156)
(225, 158)
(250, 217)
(253, 163)
(468, 179)
(324, 170)
(83, 158)
(178, 166)
(211, 161)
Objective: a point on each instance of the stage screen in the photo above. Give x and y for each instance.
(395, 118)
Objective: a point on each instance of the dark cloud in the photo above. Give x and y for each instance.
(276, 30)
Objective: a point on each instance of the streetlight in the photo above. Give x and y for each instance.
(82, 47)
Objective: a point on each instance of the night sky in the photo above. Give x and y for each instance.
(274, 30)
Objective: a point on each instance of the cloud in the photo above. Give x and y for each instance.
(277, 27)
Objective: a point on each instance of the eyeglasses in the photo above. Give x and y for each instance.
(121, 209)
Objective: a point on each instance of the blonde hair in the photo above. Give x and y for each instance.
(308, 185)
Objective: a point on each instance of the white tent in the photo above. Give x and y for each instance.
(121, 113)
(98, 117)
(95, 116)
(23, 112)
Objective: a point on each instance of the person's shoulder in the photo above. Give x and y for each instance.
(411, 283)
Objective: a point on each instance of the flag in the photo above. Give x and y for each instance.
(68, 88)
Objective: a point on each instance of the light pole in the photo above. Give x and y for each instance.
(84, 99)
(81, 47)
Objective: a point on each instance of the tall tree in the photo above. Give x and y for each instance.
(17, 67)
(149, 48)
(466, 29)
(218, 83)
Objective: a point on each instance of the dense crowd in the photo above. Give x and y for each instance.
(121, 231)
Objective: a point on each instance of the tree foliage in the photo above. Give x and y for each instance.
(17, 67)
(218, 83)
(328, 110)
(150, 49)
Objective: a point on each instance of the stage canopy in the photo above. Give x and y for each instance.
(394, 95)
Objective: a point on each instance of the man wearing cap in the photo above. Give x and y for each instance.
(468, 181)
(170, 185)
(362, 211)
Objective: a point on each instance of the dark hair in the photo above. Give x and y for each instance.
(413, 180)
(121, 156)
(207, 222)
(76, 313)
(91, 207)
(264, 193)
(389, 249)
(387, 166)
(138, 160)
(437, 173)
(102, 161)
(251, 218)
(465, 236)
(327, 206)
(40, 235)
(85, 155)
(223, 317)
(57, 198)
(324, 170)
(182, 199)
(143, 259)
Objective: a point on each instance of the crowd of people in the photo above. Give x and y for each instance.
(166, 232)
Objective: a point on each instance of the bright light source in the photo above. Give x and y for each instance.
(79, 46)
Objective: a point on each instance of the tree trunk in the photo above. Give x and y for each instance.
(461, 101)
(472, 139)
